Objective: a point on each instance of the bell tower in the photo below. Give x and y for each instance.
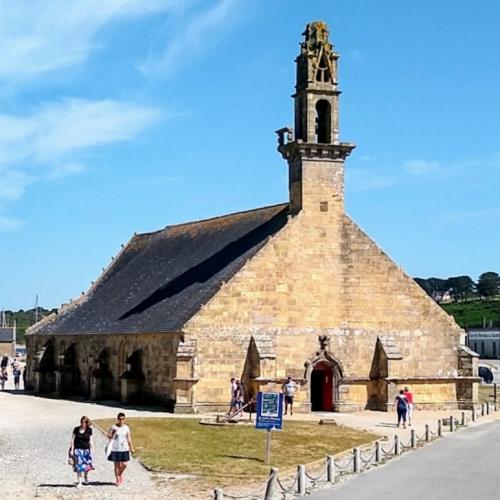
(314, 153)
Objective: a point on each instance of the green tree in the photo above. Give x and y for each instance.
(461, 287)
(488, 284)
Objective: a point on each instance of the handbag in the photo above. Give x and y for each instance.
(71, 459)
(109, 448)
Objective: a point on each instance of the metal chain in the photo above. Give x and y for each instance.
(344, 467)
(389, 451)
(315, 479)
(292, 486)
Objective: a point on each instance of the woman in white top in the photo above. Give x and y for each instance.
(121, 447)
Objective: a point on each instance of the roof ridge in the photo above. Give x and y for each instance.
(210, 219)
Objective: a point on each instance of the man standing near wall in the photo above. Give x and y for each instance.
(289, 389)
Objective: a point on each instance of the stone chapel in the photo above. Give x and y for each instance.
(291, 289)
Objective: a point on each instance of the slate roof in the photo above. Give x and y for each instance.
(161, 279)
(7, 334)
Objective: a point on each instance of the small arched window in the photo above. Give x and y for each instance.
(323, 122)
(323, 72)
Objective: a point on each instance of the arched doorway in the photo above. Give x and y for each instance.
(322, 387)
(70, 373)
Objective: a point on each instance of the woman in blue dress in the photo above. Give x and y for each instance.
(81, 450)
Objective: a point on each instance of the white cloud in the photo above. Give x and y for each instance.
(8, 224)
(423, 168)
(197, 34)
(47, 143)
(38, 36)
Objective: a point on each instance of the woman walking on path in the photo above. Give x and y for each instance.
(401, 407)
(81, 450)
(120, 447)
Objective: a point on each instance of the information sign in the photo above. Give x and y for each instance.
(269, 411)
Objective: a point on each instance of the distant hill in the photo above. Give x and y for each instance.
(475, 313)
(23, 319)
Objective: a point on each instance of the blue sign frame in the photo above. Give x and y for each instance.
(269, 411)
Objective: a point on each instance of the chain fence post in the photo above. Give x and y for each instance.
(301, 480)
(330, 469)
(452, 423)
(463, 419)
(355, 460)
(271, 483)
(413, 439)
(218, 494)
(483, 410)
(440, 428)
(377, 452)
(488, 408)
(397, 445)
(427, 433)
(473, 415)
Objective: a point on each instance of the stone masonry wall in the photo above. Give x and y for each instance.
(158, 361)
(321, 275)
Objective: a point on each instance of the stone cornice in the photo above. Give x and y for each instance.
(305, 150)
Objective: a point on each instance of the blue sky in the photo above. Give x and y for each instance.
(129, 115)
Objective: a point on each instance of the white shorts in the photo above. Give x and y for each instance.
(410, 410)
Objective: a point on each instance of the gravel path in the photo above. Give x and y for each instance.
(34, 440)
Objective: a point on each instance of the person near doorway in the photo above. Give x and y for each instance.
(4, 376)
(289, 389)
(401, 407)
(120, 447)
(81, 449)
(233, 405)
(16, 373)
(409, 399)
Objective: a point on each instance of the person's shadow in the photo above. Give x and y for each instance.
(73, 485)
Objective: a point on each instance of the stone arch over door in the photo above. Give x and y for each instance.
(69, 371)
(102, 377)
(46, 370)
(324, 374)
(132, 379)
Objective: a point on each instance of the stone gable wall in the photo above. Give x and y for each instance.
(321, 275)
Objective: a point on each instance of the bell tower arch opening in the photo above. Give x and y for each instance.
(323, 122)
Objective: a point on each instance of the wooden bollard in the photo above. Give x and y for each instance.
(463, 419)
(473, 415)
(483, 410)
(301, 480)
(330, 469)
(427, 433)
(271, 484)
(355, 460)
(377, 452)
(397, 445)
(488, 408)
(413, 439)
(440, 428)
(452, 423)
(218, 494)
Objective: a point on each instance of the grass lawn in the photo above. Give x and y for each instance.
(185, 446)
(486, 393)
(471, 313)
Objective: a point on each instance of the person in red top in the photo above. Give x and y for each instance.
(409, 398)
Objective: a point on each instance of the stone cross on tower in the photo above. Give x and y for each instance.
(313, 151)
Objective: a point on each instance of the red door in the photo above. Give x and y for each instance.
(322, 388)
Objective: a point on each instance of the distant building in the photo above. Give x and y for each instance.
(7, 341)
(484, 341)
